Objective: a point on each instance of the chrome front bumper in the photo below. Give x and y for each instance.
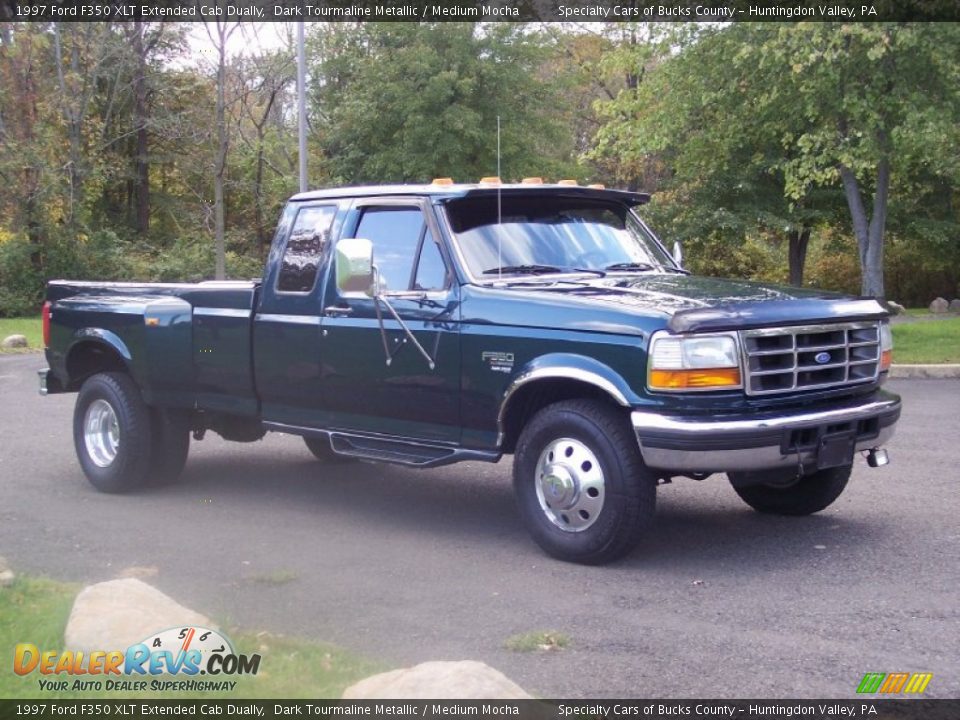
(764, 441)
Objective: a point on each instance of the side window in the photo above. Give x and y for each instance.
(310, 234)
(431, 272)
(395, 234)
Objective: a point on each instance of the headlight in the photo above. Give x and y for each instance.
(703, 362)
(886, 347)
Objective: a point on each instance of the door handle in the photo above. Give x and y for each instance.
(337, 310)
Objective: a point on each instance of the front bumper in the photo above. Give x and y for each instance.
(764, 441)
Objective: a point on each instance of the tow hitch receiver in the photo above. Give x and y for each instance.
(877, 457)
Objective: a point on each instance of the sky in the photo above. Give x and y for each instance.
(248, 38)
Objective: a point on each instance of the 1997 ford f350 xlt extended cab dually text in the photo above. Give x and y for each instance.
(424, 325)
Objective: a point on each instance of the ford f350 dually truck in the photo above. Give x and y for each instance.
(425, 325)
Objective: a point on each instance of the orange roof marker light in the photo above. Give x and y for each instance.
(442, 181)
(567, 182)
(597, 186)
(490, 180)
(532, 181)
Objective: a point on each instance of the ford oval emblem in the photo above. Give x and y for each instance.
(822, 358)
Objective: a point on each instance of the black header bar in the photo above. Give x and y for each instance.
(868, 708)
(482, 10)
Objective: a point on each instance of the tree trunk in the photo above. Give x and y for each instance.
(221, 161)
(869, 232)
(73, 119)
(141, 161)
(258, 199)
(799, 240)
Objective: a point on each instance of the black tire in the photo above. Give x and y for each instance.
(622, 509)
(170, 445)
(780, 494)
(126, 465)
(320, 447)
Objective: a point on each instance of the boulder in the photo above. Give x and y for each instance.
(438, 680)
(6, 574)
(14, 341)
(939, 306)
(116, 614)
(895, 307)
(955, 305)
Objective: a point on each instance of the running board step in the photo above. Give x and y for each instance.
(399, 452)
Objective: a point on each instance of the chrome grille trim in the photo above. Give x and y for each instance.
(780, 360)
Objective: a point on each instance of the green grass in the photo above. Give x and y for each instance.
(35, 610)
(27, 326)
(927, 342)
(537, 641)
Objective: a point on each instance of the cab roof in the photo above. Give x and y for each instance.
(445, 193)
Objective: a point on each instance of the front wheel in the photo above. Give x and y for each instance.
(112, 432)
(786, 494)
(580, 482)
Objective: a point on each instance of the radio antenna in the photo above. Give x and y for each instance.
(499, 209)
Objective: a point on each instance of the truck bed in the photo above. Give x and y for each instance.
(175, 331)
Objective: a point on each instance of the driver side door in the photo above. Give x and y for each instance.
(374, 377)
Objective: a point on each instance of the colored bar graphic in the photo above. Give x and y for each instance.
(871, 682)
(918, 682)
(894, 682)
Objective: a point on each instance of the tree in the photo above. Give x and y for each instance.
(864, 91)
(714, 187)
(405, 102)
(761, 123)
(219, 32)
(265, 80)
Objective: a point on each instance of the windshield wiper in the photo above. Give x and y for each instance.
(636, 266)
(539, 270)
(643, 267)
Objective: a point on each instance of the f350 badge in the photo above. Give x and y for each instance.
(498, 361)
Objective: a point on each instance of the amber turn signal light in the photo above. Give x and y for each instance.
(886, 360)
(700, 378)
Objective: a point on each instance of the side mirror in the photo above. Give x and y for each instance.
(678, 253)
(354, 264)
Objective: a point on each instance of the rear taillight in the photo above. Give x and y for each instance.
(46, 324)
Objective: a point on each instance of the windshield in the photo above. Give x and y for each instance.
(540, 235)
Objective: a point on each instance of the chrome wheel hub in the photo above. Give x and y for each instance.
(101, 433)
(570, 485)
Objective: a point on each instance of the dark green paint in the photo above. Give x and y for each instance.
(244, 349)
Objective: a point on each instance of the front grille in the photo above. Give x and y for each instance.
(810, 357)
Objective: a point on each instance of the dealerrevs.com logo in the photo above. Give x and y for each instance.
(153, 664)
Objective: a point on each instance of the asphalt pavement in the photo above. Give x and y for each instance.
(405, 566)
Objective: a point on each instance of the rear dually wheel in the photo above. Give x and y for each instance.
(112, 432)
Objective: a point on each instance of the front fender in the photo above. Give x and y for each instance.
(568, 366)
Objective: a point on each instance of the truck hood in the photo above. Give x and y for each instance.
(682, 303)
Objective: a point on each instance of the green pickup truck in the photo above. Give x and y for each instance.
(425, 325)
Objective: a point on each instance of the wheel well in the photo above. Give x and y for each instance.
(533, 397)
(89, 358)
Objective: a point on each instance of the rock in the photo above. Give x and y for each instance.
(6, 574)
(939, 306)
(14, 341)
(895, 307)
(117, 614)
(439, 680)
(955, 305)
